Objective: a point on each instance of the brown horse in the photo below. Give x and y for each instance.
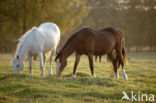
(91, 42)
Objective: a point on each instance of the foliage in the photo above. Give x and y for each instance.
(17, 16)
(136, 18)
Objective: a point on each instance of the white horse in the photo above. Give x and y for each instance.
(38, 41)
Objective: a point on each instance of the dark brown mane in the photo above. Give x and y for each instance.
(72, 38)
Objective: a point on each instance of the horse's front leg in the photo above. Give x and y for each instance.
(40, 55)
(30, 64)
(114, 62)
(44, 58)
(50, 62)
(125, 77)
(121, 59)
(90, 57)
(77, 59)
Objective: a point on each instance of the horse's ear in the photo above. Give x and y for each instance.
(17, 57)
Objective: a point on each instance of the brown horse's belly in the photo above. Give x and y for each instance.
(104, 46)
(102, 51)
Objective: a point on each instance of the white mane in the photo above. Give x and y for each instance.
(22, 39)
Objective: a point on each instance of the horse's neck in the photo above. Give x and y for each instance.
(68, 50)
(23, 52)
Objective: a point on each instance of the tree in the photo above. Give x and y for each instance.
(17, 16)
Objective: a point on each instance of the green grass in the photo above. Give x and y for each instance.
(26, 88)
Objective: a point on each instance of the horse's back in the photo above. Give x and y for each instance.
(50, 35)
(106, 40)
(84, 36)
(95, 41)
(46, 37)
(50, 26)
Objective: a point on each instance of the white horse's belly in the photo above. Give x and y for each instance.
(50, 41)
(49, 45)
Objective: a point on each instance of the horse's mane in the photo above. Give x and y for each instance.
(73, 36)
(70, 40)
(67, 42)
(23, 38)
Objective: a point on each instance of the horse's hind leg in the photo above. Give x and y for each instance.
(116, 75)
(121, 60)
(90, 57)
(77, 59)
(44, 59)
(125, 77)
(113, 59)
(50, 62)
(40, 55)
(30, 64)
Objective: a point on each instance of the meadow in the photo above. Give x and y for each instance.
(26, 88)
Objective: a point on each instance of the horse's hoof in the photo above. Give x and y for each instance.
(58, 74)
(73, 75)
(30, 73)
(42, 74)
(125, 77)
(93, 75)
(116, 75)
(50, 73)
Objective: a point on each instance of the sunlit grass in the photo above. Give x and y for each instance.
(23, 87)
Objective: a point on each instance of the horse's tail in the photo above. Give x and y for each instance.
(123, 48)
(123, 44)
(115, 55)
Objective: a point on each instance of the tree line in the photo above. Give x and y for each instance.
(136, 18)
(18, 16)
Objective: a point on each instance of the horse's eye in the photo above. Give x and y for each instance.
(17, 65)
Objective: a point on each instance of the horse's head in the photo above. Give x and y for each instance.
(61, 62)
(18, 64)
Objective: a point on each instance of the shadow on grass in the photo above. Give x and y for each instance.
(78, 74)
(6, 76)
(84, 79)
(32, 93)
(13, 76)
(92, 81)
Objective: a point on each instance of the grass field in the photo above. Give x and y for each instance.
(26, 88)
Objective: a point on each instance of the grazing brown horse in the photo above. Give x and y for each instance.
(91, 42)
